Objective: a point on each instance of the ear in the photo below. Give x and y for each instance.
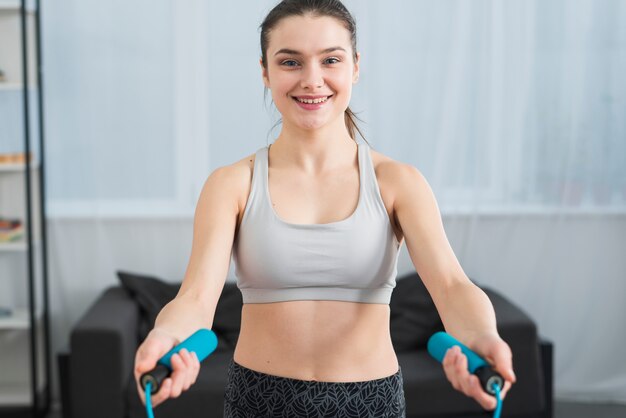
(264, 75)
(355, 76)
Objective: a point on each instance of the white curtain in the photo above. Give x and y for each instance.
(514, 111)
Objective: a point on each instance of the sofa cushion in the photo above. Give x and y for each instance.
(152, 294)
(414, 317)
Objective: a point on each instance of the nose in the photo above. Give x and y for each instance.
(312, 77)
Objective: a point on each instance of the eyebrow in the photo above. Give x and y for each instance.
(294, 52)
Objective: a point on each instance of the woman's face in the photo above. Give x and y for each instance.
(310, 57)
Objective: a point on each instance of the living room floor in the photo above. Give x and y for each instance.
(580, 410)
(562, 410)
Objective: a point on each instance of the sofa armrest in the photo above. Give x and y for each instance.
(102, 351)
(520, 332)
(547, 357)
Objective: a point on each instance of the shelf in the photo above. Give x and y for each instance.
(15, 5)
(18, 320)
(17, 246)
(13, 167)
(13, 86)
(19, 341)
(16, 394)
(13, 246)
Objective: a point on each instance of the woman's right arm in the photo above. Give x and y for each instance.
(194, 306)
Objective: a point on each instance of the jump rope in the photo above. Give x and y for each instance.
(491, 381)
(204, 341)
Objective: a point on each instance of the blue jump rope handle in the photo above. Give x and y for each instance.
(203, 342)
(440, 342)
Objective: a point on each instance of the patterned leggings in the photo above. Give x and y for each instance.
(252, 394)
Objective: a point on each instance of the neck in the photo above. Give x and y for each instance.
(313, 151)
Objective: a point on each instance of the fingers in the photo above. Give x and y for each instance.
(507, 386)
(192, 366)
(146, 357)
(500, 356)
(455, 368)
(503, 359)
(179, 374)
(163, 394)
(145, 360)
(185, 367)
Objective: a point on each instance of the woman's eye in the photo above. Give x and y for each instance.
(285, 62)
(331, 60)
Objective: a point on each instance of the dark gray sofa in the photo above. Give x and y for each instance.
(97, 379)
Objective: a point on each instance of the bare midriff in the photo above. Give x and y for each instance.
(325, 341)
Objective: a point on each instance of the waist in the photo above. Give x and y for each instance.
(317, 340)
(380, 295)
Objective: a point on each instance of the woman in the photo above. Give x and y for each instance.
(315, 222)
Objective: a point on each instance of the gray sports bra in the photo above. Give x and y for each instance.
(353, 260)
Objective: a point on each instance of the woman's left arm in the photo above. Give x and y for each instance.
(465, 310)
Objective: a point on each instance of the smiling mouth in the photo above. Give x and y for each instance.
(313, 101)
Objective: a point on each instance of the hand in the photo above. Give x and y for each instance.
(496, 352)
(185, 366)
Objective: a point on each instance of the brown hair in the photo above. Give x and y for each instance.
(318, 8)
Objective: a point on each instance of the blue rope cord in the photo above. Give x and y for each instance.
(498, 410)
(149, 401)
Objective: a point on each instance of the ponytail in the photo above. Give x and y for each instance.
(353, 128)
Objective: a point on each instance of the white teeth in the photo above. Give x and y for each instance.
(311, 101)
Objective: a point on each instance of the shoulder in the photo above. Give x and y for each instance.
(406, 191)
(234, 179)
(395, 177)
(243, 168)
(233, 175)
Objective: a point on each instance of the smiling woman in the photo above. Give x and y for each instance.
(339, 16)
(315, 223)
(324, 68)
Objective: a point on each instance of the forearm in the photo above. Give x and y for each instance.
(183, 316)
(466, 311)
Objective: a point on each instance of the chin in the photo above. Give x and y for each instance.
(311, 126)
(317, 123)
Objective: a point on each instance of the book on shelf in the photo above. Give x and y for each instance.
(10, 229)
(14, 157)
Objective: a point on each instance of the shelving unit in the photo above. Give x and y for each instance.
(24, 334)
